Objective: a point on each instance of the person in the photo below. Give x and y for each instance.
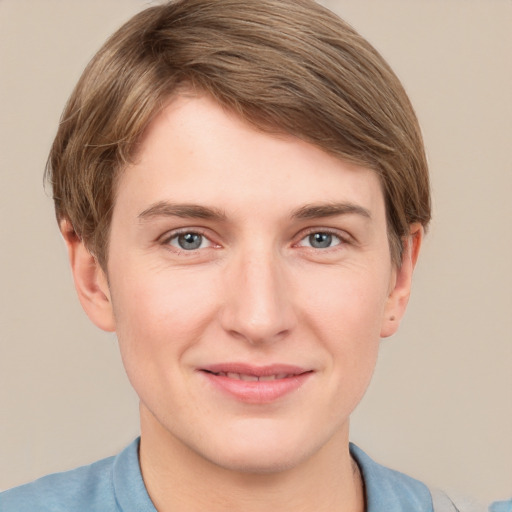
(243, 191)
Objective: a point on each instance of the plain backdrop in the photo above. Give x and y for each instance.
(440, 405)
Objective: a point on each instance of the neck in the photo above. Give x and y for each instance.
(178, 479)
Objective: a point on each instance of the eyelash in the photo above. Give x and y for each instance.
(343, 239)
(167, 240)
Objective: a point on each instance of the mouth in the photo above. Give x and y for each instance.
(253, 378)
(256, 385)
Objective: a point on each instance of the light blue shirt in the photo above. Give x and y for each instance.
(115, 485)
(501, 506)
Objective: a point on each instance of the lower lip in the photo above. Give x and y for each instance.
(257, 392)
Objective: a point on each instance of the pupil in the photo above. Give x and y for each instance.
(320, 240)
(190, 241)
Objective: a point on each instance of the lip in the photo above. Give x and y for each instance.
(256, 384)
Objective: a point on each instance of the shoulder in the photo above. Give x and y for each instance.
(390, 490)
(85, 488)
(387, 489)
(501, 506)
(91, 488)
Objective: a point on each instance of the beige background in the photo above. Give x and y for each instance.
(440, 406)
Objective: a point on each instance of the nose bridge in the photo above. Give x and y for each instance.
(257, 305)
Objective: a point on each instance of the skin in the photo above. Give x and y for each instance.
(260, 290)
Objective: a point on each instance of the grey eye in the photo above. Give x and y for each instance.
(320, 240)
(189, 241)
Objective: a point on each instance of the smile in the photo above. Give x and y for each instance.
(256, 385)
(253, 378)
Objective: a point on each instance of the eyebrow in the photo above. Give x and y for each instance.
(189, 211)
(194, 211)
(316, 211)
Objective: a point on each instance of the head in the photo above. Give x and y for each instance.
(243, 189)
(284, 66)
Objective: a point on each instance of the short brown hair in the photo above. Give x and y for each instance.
(283, 65)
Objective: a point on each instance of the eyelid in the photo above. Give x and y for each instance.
(174, 233)
(343, 236)
(165, 239)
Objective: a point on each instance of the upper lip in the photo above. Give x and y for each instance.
(255, 370)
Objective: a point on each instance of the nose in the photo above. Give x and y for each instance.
(258, 306)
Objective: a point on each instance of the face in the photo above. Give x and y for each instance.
(249, 282)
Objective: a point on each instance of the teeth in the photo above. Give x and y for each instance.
(249, 378)
(252, 378)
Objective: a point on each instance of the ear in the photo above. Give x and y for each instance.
(401, 283)
(90, 280)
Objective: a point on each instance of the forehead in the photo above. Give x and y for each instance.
(198, 152)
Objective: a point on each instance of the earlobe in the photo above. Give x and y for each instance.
(90, 280)
(401, 289)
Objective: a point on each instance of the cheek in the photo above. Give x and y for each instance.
(158, 319)
(346, 300)
(346, 316)
(159, 315)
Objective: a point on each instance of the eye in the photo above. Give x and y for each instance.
(320, 240)
(189, 241)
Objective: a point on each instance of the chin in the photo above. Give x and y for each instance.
(258, 461)
(260, 451)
